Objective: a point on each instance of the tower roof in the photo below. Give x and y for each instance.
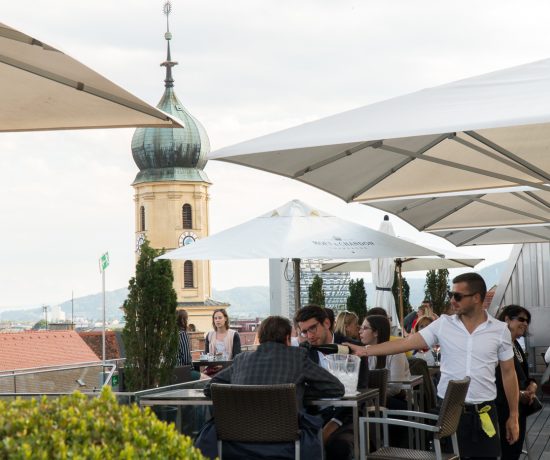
(172, 153)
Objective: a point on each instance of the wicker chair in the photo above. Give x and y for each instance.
(446, 425)
(256, 414)
(378, 378)
(418, 366)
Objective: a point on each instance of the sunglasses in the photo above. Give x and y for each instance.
(521, 319)
(459, 296)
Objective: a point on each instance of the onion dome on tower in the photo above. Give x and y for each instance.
(171, 154)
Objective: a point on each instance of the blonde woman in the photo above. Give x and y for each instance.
(347, 325)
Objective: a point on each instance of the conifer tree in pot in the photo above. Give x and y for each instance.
(150, 335)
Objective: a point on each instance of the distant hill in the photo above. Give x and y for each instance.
(244, 301)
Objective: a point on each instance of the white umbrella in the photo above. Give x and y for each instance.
(297, 230)
(486, 132)
(45, 89)
(383, 271)
(449, 260)
(497, 235)
(520, 207)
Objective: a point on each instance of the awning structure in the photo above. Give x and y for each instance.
(487, 132)
(44, 89)
(498, 235)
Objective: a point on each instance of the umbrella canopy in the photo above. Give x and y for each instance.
(469, 211)
(408, 264)
(297, 230)
(486, 132)
(45, 89)
(383, 272)
(498, 235)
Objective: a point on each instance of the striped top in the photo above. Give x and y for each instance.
(184, 350)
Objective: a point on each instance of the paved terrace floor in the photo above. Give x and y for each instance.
(538, 430)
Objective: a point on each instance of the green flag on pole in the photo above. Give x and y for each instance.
(104, 262)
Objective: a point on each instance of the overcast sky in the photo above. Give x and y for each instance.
(246, 68)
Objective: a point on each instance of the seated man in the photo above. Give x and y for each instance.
(276, 362)
(314, 326)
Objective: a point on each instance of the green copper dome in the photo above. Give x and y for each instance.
(168, 154)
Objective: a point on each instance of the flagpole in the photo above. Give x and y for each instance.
(103, 334)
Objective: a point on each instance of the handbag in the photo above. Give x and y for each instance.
(533, 408)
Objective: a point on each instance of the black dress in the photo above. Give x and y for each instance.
(512, 452)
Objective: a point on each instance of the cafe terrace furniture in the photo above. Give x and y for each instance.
(256, 414)
(446, 424)
(195, 397)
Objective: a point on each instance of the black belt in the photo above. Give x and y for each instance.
(474, 408)
(378, 288)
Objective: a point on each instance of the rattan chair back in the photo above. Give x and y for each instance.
(378, 378)
(255, 413)
(418, 366)
(452, 407)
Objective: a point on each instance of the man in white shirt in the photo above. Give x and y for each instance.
(472, 344)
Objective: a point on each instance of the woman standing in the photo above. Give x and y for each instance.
(184, 350)
(518, 319)
(347, 325)
(222, 340)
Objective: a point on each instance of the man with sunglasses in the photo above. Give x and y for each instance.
(315, 327)
(472, 343)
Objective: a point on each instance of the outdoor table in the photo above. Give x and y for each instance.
(409, 384)
(196, 397)
(204, 363)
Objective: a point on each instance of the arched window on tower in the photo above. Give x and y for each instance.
(142, 218)
(187, 216)
(188, 274)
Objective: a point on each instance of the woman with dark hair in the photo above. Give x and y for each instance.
(222, 340)
(376, 329)
(184, 350)
(518, 319)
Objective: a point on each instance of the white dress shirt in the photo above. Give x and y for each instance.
(475, 355)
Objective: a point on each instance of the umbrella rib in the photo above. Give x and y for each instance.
(513, 210)
(535, 197)
(533, 170)
(464, 167)
(494, 156)
(525, 232)
(533, 201)
(449, 212)
(396, 168)
(334, 158)
(80, 86)
(467, 240)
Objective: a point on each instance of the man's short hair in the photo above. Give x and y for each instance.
(475, 283)
(274, 329)
(310, 311)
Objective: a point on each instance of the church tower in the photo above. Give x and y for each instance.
(171, 195)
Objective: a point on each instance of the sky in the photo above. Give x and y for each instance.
(246, 68)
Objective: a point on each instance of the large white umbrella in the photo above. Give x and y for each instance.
(485, 132)
(42, 88)
(297, 230)
(497, 235)
(383, 272)
(520, 207)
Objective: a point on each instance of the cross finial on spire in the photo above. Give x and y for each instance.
(168, 81)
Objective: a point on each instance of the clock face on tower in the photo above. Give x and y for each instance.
(187, 238)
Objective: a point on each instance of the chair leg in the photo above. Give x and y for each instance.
(437, 448)
(220, 449)
(526, 446)
(296, 450)
(362, 450)
(454, 440)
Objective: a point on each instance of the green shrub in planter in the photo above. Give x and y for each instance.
(78, 427)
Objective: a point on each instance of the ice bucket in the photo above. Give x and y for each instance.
(346, 369)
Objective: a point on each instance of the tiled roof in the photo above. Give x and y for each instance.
(489, 297)
(114, 348)
(31, 349)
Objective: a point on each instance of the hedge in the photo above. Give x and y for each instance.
(78, 427)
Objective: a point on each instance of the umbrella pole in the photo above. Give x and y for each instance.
(297, 300)
(400, 284)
